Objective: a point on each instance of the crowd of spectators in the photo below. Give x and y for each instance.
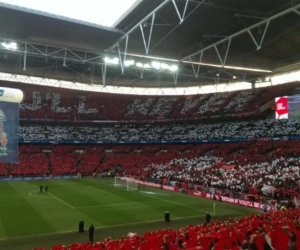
(238, 166)
(156, 132)
(59, 104)
(274, 230)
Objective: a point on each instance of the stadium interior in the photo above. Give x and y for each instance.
(160, 128)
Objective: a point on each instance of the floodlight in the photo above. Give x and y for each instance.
(129, 63)
(156, 65)
(114, 61)
(164, 66)
(173, 68)
(139, 65)
(11, 45)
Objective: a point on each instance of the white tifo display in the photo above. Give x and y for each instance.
(126, 182)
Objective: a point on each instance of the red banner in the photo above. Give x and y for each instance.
(281, 107)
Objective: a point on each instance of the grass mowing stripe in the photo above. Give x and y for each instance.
(100, 190)
(116, 204)
(53, 196)
(175, 203)
(163, 200)
(101, 227)
(113, 211)
(87, 196)
(2, 230)
(20, 217)
(105, 215)
(57, 213)
(136, 212)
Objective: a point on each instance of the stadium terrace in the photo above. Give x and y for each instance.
(149, 125)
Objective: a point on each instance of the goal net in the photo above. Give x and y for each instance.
(130, 183)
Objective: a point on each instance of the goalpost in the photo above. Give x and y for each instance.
(129, 183)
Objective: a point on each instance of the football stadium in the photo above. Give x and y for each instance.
(149, 125)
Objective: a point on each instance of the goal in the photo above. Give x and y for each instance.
(130, 183)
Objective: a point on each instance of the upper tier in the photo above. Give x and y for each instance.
(64, 104)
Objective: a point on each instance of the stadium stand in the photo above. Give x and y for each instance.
(59, 104)
(229, 130)
(238, 166)
(272, 230)
(3, 169)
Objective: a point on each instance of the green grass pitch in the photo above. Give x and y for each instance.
(29, 219)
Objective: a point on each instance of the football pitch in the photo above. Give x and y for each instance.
(29, 219)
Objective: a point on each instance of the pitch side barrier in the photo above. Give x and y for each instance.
(38, 178)
(245, 203)
(282, 138)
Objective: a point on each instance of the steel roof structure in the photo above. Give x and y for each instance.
(209, 41)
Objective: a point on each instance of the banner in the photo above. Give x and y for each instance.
(9, 124)
(281, 107)
(245, 203)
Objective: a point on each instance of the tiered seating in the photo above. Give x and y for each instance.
(90, 159)
(59, 104)
(236, 166)
(225, 130)
(31, 162)
(272, 230)
(64, 160)
(3, 169)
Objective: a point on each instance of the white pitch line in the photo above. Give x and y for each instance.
(172, 202)
(103, 227)
(175, 203)
(60, 200)
(39, 196)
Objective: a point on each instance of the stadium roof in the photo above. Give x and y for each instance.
(107, 13)
(155, 43)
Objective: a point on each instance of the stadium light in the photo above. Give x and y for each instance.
(248, 69)
(114, 61)
(139, 65)
(156, 65)
(129, 63)
(10, 46)
(199, 63)
(173, 68)
(153, 57)
(164, 66)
